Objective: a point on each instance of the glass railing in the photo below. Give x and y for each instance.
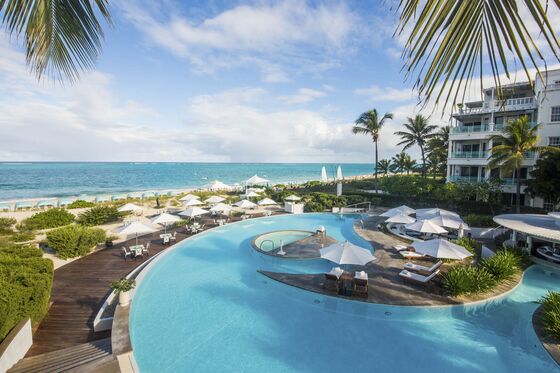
(482, 128)
(464, 179)
(469, 154)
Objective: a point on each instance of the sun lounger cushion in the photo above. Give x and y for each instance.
(362, 275)
(421, 268)
(410, 254)
(399, 247)
(416, 277)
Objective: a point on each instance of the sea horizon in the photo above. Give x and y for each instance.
(22, 180)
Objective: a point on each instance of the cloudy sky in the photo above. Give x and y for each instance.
(217, 81)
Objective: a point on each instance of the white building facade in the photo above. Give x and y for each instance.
(475, 122)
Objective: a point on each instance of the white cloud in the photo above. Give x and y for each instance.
(377, 93)
(302, 96)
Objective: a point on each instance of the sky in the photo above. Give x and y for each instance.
(217, 81)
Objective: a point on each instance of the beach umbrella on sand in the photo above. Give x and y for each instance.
(252, 194)
(130, 207)
(292, 198)
(215, 199)
(425, 226)
(440, 248)
(267, 202)
(245, 204)
(222, 208)
(324, 177)
(347, 253)
(136, 228)
(218, 185)
(449, 221)
(192, 212)
(402, 219)
(165, 219)
(188, 197)
(256, 180)
(193, 202)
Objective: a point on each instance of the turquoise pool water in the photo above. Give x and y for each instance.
(204, 308)
(273, 240)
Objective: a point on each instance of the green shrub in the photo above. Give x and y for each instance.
(478, 220)
(23, 236)
(469, 243)
(550, 304)
(25, 288)
(522, 255)
(467, 280)
(48, 219)
(6, 225)
(80, 204)
(20, 251)
(99, 215)
(124, 285)
(74, 240)
(503, 265)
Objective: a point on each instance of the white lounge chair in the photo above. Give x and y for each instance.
(400, 247)
(423, 270)
(174, 237)
(126, 253)
(416, 278)
(165, 240)
(410, 254)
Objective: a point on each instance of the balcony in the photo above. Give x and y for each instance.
(512, 104)
(481, 128)
(464, 179)
(469, 154)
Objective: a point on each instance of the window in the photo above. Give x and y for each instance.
(548, 205)
(555, 114)
(554, 141)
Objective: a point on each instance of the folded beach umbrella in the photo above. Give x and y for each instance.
(402, 219)
(244, 204)
(130, 207)
(188, 197)
(136, 228)
(292, 198)
(215, 199)
(193, 202)
(449, 221)
(425, 226)
(324, 177)
(267, 202)
(192, 212)
(256, 180)
(347, 253)
(440, 248)
(165, 219)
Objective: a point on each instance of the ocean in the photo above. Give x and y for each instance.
(50, 179)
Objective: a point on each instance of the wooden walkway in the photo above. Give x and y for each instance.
(78, 292)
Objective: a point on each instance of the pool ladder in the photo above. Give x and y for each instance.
(261, 245)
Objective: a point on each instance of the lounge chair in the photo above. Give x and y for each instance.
(410, 254)
(173, 237)
(400, 247)
(360, 284)
(165, 240)
(416, 278)
(127, 253)
(146, 249)
(426, 271)
(332, 282)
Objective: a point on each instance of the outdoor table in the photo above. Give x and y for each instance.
(136, 249)
(163, 235)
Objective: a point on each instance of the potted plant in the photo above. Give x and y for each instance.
(122, 287)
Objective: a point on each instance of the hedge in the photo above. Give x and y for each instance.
(25, 288)
(49, 219)
(20, 251)
(99, 215)
(79, 204)
(74, 240)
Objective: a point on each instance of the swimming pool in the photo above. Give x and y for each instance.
(273, 240)
(204, 308)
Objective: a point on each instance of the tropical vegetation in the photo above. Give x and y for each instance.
(369, 124)
(52, 218)
(550, 313)
(99, 215)
(384, 166)
(545, 178)
(74, 240)
(123, 285)
(417, 132)
(79, 204)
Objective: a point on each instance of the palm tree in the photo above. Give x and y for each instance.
(436, 151)
(369, 124)
(518, 138)
(400, 161)
(418, 133)
(384, 165)
(62, 37)
(409, 164)
(451, 42)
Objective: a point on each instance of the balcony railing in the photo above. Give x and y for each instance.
(481, 128)
(511, 181)
(469, 154)
(464, 179)
(511, 104)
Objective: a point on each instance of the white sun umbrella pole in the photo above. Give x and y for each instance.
(347, 253)
(165, 219)
(442, 249)
(324, 177)
(339, 181)
(135, 228)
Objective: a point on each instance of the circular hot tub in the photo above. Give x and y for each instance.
(273, 240)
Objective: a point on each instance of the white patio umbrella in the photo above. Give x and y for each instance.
(347, 253)
(425, 226)
(395, 211)
(215, 199)
(292, 198)
(130, 207)
(449, 221)
(256, 180)
(189, 197)
(402, 219)
(267, 202)
(434, 212)
(251, 194)
(165, 219)
(218, 185)
(440, 248)
(324, 178)
(136, 228)
(222, 208)
(244, 204)
(406, 210)
(193, 202)
(192, 212)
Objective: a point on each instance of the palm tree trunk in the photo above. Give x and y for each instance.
(518, 191)
(375, 166)
(423, 161)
